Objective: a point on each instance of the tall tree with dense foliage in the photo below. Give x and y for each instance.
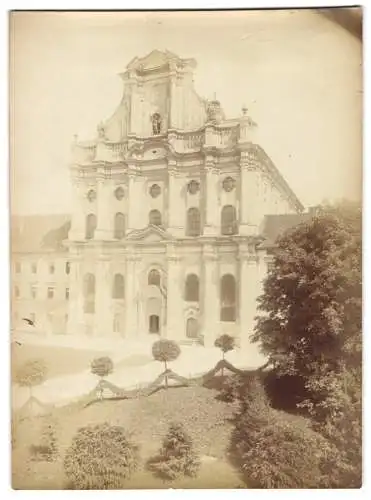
(310, 322)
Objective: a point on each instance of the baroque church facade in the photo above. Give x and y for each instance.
(169, 202)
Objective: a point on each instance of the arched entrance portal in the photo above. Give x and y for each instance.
(154, 307)
(192, 328)
(154, 323)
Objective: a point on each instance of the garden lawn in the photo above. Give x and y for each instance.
(146, 419)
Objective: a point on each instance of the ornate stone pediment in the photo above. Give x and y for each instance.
(150, 234)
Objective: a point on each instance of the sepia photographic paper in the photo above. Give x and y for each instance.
(186, 241)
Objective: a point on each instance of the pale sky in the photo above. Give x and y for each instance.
(299, 74)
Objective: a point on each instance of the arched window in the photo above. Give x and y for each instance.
(227, 298)
(89, 293)
(119, 226)
(193, 222)
(118, 290)
(229, 220)
(155, 218)
(156, 123)
(154, 278)
(91, 225)
(192, 287)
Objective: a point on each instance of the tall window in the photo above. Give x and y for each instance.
(33, 268)
(17, 267)
(91, 225)
(228, 298)
(67, 293)
(119, 226)
(89, 293)
(33, 291)
(16, 291)
(118, 290)
(154, 278)
(50, 292)
(155, 218)
(192, 288)
(228, 220)
(193, 222)
(68, 267)
(51, 268)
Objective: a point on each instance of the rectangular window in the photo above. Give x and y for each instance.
(16, 292)
(51, 268)
(34, 268)
(17, 267)
(33, 291)
(67, 293)
(68, 268)
(50, 292)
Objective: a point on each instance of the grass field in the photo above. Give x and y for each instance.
(64, 360)
(206, 419)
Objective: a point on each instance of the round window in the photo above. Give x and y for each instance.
(193, 187)
(155, 190)
(119, 193)
(91, 196)
(229, 184)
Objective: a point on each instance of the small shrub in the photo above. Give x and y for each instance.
(46, 449)
(232, 389)
(165, 350)
(100, 457)
(225, 343)
(176, 457)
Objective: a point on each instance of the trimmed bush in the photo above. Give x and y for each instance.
(31, 374)
(225, 343)
(275, 449)
(100, 457)
(176, 457)
(165, 351)
(102, 367)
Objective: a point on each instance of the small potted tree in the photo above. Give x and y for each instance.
(101, 367)
(225, 343)
(165, 351)
(31, 374)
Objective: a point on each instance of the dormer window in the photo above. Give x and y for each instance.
(156, 124)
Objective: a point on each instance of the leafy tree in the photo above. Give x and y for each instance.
(100, 457)
(176, 457)
(225, 343)
(310, 324)
(102, 367)
(165, 351)
(31, 374)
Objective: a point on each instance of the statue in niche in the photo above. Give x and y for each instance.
(156, 124)
(101, 131)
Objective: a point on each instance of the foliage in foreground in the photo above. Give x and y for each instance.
(46, 449)
(274, 449)
(31, 373)
(102, 367)
(176, 457)
(100, 457)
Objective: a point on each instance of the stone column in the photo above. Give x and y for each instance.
(212, 222)
(249, 291)
(103, 302)
(175, 319)
(104, 229)
(250, 202)
(211, 296)
(77, 231)
(131, 306)
(75, 323)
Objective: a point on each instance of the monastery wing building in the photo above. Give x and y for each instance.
(170, 208)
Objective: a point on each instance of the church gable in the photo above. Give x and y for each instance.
(151, 234)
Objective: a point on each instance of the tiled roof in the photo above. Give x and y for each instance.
(39, 233)
(276, 225)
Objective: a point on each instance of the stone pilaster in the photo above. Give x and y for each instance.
(131, 305)
(103, 301)
(77, 231)
(176, 209)
(135, 207)
(75, 322)
(249, 290)
(175, 319)
(250, 202)
(212, 215)
(211, 295)
(104, 230)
